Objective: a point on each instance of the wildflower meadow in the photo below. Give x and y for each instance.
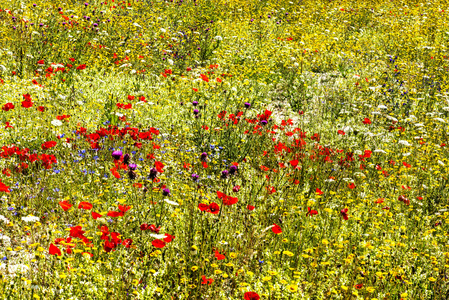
(224, 149)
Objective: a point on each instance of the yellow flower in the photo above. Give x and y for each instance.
(292, 288)
(266, 278)
(432, 279)
(232, 255)
(194, 268)
(288, 253)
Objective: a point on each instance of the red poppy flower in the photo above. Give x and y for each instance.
(85, 205)
(81, 67)
(250, 207)
(144, 226)
(48, 145)
(204, 77)
(127, 243)
(358, 286)
(96, 215)
(351, 185)
(207, 281)
(344, 213)
(318, 191)
(65, 205)
(124, 208)
(3, 187)
(158, 243)
(8, 106)
(53, 250)
(76, 232)
(41, 108)
(203, 207)
(214, 208)
(294, 163)
(219, 256)
(311, 212)
(341, 132)
(276, 228)
(204, 164)
(366, 121)
(251, 296)
(168, 238)
(115, 214)
(406, 165)
(27, 103)
(159, 166)
(130, 98)
(41, 62)
(115, 173)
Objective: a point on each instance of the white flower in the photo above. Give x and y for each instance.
(137, 25)
(170, 61)
(4, 219)
(157, 236)
(6, 239)
(171, 202)
(406, 154)
(30, 219)
(419, 125)
(440, 119)
(441, 163)
(391, 118)
(380, 151)
(405, 143)
(218, 38)
(56, 123)
(163, 30)
(18, 268)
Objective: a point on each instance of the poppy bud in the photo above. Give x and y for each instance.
(236, 188)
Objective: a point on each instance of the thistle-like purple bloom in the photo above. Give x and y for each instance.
(195, 177)
(247, 105)
(195, 103)
(224, 174)
(264, 122)
(203, 156)
(196, 111)
(117, 154)
(165, 192)
(153, 174)
(233, 170)
(132, 167)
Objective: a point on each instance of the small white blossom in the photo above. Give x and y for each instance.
(56, 123)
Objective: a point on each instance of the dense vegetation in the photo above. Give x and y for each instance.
(223, 149)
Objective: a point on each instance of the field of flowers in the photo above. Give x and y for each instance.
(224, 149)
